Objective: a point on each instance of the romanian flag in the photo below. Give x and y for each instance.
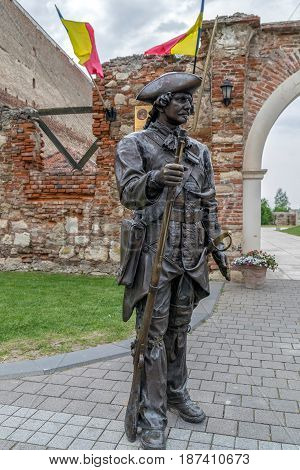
(83, 41)
(185, 44)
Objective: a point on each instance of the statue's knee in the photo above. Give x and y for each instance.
(180, 317)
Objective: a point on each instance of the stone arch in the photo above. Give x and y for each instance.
(253, 174)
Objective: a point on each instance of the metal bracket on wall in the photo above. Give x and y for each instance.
(60, 147)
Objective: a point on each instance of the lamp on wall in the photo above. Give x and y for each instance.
(226, 88)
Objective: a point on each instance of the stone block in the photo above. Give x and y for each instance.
(81, 240)
(66, 252)
(20, 435)
(53, 390)
(222, 426)
(95, 227)
(79, 420)
(111, 436)
(114, 252)
(22, 239)
(3, 224)
(90, 433)
(7, 240)
(6, 445)
(61, 417)
(32, 424)
(120, 99)
(54, 404)
(19, 225)
(224, 188)
(81, 407)
(82, 444)
(122, 76)
(2, 140)
(60, 442)
(71, 225)
(109, 229)
(99, 253)
(40, 438)
(57, 234)
(111, 84)
(43, 415)
(225, 441)
(106, 411)
(246, 444)
(70, 430)
(124, 129)
(105, 446)
(254, 431)
(133, 102)
(51, 427)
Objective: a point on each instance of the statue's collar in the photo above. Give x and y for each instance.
(170, 136)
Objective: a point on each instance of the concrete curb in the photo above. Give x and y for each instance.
(52, 364)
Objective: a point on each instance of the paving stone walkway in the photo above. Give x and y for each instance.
(243, 369)
(286, 248)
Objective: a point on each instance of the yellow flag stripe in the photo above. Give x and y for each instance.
(187, 45)
(80, 39)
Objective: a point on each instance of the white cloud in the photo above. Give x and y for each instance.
(282, 156)
(124, 27)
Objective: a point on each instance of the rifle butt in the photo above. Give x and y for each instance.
(133, 408)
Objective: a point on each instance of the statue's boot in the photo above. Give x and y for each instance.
(153, 439)
(188, 411)
(178, 397)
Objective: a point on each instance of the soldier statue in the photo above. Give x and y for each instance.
(145, 170)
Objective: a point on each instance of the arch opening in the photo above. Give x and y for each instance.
(253, 173)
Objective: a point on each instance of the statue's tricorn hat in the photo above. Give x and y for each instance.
(175, 82)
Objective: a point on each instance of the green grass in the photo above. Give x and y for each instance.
(44, 314)
(293, 230)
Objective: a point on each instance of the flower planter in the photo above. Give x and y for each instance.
(254, 276)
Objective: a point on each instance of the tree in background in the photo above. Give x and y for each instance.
(281, 201)
(266, 213)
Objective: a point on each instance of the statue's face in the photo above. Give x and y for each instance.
(178, 110)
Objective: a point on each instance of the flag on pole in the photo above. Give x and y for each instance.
(82, 38)
(185, 44)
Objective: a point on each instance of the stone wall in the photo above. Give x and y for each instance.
(33, 67)
(285, 218)
(52, 222)
(36, 72)
(70, 221)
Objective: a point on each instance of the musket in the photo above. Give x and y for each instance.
(133, 407)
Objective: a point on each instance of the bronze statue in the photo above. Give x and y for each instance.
(148, 180)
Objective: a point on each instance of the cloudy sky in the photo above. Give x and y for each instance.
(125, 27)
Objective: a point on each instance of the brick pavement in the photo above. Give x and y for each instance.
(243, 369)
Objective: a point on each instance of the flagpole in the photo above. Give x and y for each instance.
(197, 110)
(97, 88)
(198, 36)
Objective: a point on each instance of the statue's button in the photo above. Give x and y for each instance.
(145, 249)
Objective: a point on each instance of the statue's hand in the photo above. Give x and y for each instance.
(222, 262)
(170, 175)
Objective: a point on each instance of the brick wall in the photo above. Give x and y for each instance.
(48, 221)
(70, 221)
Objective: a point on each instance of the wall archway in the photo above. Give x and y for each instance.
(253, 174)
